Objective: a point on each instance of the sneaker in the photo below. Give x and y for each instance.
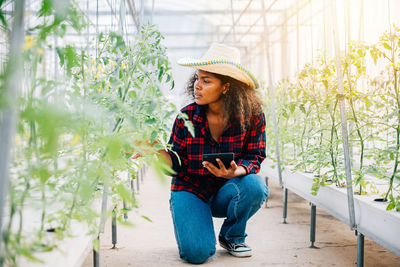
(235, 249)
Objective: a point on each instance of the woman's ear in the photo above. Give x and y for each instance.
(226, 88)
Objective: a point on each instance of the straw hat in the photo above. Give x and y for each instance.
(224, 60)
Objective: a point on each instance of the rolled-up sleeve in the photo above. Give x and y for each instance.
(253, 152)
(177, 140)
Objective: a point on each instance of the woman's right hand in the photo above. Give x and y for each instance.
(145, 151)
(137, 155)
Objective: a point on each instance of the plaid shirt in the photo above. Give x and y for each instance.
(248, 147)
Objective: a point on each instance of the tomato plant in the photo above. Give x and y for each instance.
(309, 125)
(78, 129)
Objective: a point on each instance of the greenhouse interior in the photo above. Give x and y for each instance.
(112, 113)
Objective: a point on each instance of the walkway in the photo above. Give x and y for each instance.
(152, 244)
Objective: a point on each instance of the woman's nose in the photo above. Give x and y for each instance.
(197, 85)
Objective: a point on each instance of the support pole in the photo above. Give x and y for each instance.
(266, 183)
(138, 177)
(96, 255)
(114, 227)
(360, 249)
(132, 188)
(343, 120)
(8, 116)
(272, 93)
(284, 46)
(125, 213)
(285, 193)
(103, 209)
(312, 224)
(143, 169)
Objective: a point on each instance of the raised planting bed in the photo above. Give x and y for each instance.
(70, 252)
(372, 218)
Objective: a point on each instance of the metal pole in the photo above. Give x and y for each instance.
(272, 94)
(152, 11)
(266, 183)
(141, 17)
(114, 227)
(96, 255)
(237, 19)
(125, 213)
(143, 173)
(121, 21)
(284, 44)
(312, 224)
(297, 38)
(139, 172)
(360, 249)
(8, 116)
(343, 119)
(132, 187)
(103, 209)
(97, 29)
(285, 194)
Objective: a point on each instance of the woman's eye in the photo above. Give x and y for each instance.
(206, 81)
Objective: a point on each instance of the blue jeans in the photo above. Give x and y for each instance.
(237, 200)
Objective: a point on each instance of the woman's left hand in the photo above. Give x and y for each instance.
(230, 173)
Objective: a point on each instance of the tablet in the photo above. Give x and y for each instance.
(226, 159)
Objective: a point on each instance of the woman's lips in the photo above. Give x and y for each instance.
(197, 95)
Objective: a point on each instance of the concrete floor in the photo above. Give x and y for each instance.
(151, 244)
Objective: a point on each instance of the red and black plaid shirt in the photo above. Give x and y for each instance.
(248, 147)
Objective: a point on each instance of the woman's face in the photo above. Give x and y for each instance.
(208, 88)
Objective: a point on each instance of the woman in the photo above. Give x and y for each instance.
(227, 117)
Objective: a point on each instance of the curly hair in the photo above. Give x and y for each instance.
(239, 103)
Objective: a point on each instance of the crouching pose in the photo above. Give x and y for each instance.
(227, 117)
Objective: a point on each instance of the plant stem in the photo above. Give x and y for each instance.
(396, 162)
(43, 191)
(357, 129)
(24, 194)
(333, 158)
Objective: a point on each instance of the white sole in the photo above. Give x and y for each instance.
(243, 254)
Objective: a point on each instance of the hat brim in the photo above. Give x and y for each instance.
(223, 67)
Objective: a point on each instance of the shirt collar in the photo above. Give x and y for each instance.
(199, 118)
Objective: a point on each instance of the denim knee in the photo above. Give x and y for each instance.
(256, 188)
(196, 254)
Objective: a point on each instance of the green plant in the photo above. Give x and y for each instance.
(308, 119)
(388, 48)
(77, 130)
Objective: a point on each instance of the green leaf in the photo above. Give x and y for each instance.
(146, 218)
(168, 78)
(46, 8)
(71, 57)
(391, 206)
(189, 126)
(26, 252)
(44, 174)
(387, 46)
(3, 19)
(124, 193)
(61, 53)
(160, 74)
(302, 108)
(96, 244)
(292, 107)
(153, 136)
(124, 222)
